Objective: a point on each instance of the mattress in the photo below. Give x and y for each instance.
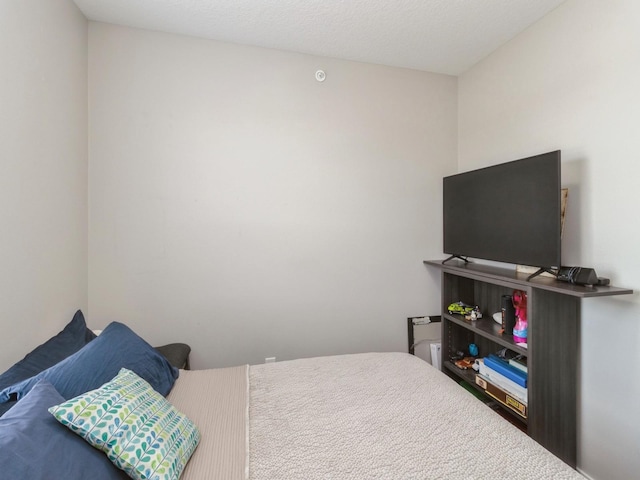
(364, 416)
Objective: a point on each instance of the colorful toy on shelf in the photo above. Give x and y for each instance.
(520, 305)
(459, 307)
(474, 314)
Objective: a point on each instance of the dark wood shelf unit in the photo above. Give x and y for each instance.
(553, 315)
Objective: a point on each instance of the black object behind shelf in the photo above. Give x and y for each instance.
(177, 354)
(411, 333)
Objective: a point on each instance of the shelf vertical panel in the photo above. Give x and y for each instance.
(553, 341)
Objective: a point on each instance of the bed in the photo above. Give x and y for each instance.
(359, 416)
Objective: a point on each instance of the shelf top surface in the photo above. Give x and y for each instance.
(490, 272)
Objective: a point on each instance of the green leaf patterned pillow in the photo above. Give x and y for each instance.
(138, 429)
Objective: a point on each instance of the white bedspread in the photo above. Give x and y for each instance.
(381, 416)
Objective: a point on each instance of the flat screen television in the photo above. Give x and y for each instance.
(509, 212)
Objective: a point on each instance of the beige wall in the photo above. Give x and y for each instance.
(43, 184)
(571, 82)
(240, 206)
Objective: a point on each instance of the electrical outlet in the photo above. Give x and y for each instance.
(270, 360)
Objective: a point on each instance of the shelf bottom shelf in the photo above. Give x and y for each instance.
(469, 376)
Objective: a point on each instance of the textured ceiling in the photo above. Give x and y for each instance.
(442, 36)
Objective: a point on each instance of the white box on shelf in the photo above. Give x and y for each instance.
(435, 355)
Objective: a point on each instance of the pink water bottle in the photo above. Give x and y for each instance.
(520, 305)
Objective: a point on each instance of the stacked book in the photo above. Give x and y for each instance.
(505, 381)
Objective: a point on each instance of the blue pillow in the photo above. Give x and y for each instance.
(34, 445)
(71, 339)
(101, 360)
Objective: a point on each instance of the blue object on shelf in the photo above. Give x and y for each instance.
(512, 373)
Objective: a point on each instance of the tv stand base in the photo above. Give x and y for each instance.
(541, 270)
(455, 256)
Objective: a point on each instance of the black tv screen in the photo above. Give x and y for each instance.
(507, 213)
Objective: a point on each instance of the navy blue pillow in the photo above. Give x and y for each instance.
(71, 339)
(34, 445)
(101, 360)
